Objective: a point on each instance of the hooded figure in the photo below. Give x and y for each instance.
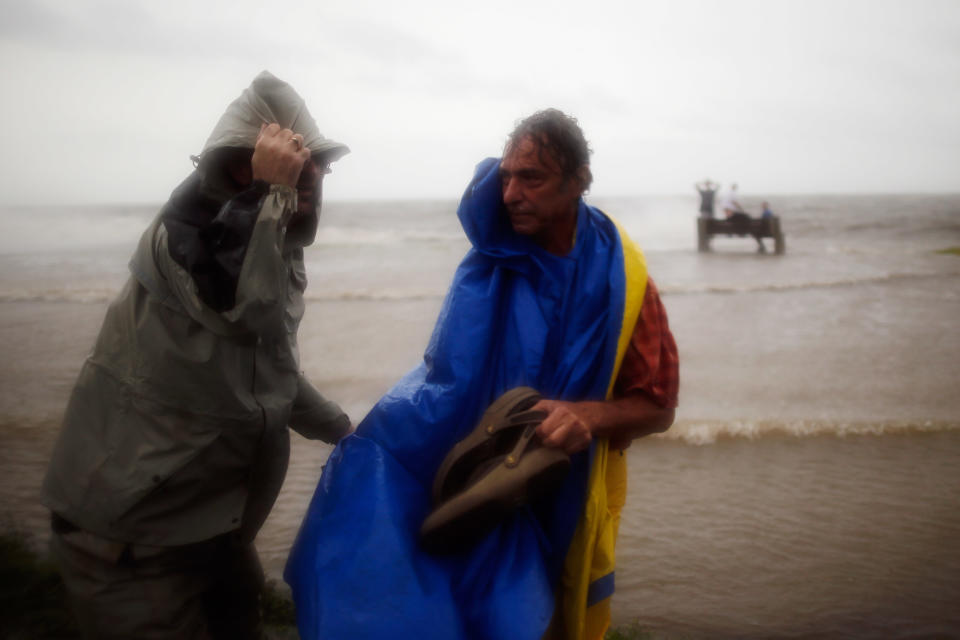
(174, 443)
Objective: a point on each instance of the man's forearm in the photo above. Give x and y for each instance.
(627, 418)
(572, 425)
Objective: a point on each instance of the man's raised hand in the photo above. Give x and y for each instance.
(278, 156)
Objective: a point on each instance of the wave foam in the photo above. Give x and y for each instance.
(103, 295)
(707, 432)
(94, 295)
(683, 289)
(351, 237)
(386, 295)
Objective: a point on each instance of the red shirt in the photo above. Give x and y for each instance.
(651, 365)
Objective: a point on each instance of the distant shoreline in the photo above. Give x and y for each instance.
(749, 198)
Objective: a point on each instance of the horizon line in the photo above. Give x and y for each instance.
(405, 198)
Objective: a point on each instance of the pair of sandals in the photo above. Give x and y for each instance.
(500, 466)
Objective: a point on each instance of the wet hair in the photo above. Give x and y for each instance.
(559, 135)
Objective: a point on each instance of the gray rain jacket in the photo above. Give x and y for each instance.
(176, 430)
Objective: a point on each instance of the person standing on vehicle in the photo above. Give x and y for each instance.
(730, 204)
(707, 191)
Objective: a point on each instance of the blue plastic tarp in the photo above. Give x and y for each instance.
(515, 315)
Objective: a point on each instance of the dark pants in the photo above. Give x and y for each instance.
(207, 590)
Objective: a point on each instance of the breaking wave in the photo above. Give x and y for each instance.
(755, 287)
(100, 294)
(103, 295)
(376, 294)
(95, 295)
(707, 432)
(353, 237)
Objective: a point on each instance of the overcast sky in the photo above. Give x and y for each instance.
(105, 101)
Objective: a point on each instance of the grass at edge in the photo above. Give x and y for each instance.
(33, 604)
(33, 601)
(32, 597)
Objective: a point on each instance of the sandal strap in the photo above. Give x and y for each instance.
(513, 458)
(521, 419)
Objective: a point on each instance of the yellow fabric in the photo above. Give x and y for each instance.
(635, 268)
(591, 554)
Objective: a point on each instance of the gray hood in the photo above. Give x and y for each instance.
(269, 99)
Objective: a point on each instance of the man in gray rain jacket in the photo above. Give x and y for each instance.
(174, 443)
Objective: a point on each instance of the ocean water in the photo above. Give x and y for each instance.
(811, 484)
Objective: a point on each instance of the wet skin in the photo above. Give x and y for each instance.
(541, 203)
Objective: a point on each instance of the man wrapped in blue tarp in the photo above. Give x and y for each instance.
(553, 296)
